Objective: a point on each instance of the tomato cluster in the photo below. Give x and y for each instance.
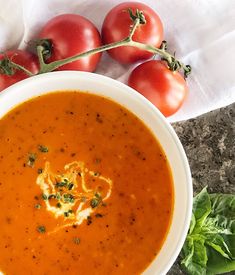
(71, 34)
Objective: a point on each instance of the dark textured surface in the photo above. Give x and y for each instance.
(209, 142)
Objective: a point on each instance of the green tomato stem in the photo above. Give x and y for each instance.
(173, 64)
(44, 68)
(42, 64)
(128, 41)
(21, 68)
(133, 28)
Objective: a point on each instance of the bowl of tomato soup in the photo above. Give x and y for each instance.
(93, 179)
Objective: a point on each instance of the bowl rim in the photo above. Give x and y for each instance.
(10, 91)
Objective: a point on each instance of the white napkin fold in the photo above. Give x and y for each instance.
(201, 32)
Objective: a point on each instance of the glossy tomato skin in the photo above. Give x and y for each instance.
(167, 90)
(72, 34)
(23, 58)
(116, 26)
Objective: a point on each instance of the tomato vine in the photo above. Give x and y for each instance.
(7, 66)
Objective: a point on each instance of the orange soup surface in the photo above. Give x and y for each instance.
(85, 188)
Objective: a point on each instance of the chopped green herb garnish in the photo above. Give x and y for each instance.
(89, 220)
(40, 170)
(41, 229)
(98, 196)
(70, 186)
(58, 205)
(58, 196)
(60, 184)
(94, 203)
(51, 196)
(43, 149)
(96, 174)
(76, 240)
(68, 198)
(44, 197)
(96, 200)
(63, 183)
(37, 206)
(31, 159)
(66, 214)
(98, 215)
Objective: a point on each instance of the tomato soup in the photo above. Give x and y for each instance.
(85, 188)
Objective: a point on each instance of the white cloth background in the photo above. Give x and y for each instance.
(201, 32)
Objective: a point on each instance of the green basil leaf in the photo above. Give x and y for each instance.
(230, 242)
(187, 251)
(218, 224)
(196, 260)
(223, 204)
(192, 223)
(201, 207)
(217, 242)
(217, 264)
(223, 208)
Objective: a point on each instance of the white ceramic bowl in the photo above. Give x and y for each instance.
(137, 104)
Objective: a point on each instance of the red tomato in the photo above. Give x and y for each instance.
(116, 27)
(166, 89)
(72, 34)
(23, 58)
